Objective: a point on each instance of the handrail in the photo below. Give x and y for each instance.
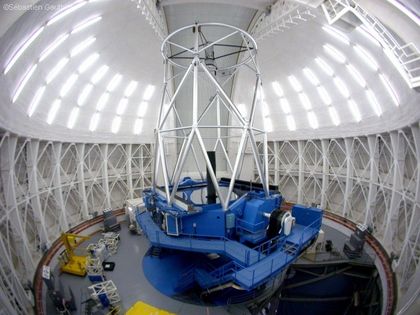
(406, 56)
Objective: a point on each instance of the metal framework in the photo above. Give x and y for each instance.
(404, 56)
(373, 180)
(208, 45)
(48, 187)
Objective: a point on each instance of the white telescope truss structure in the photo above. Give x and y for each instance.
(196, 61)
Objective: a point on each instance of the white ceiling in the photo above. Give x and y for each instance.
(128, 45)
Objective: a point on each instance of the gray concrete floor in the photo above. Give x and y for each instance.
(130, 280)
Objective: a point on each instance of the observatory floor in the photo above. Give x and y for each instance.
(130, 280)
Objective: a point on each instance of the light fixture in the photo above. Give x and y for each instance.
(354, 110)
(306, 103)
(67, 10)
(141, 111)
(138, 126)
(342, 87)
(23, 82)
(82, 46)
(53, 111)
(334, 115)
(324, 95)
(84, 95)
(268, 125)
(390, 89)
(310, 76)
(68, 84)
(86, 23)
(333, 52)
(243, 110)
(148, 92)
(94, 121)
(73, 117)
(285, 107)
(294, 83)
(374, 102)
(99, 74)
(362, 30)
(366, 57)
(336, 34)
(113, 83)
(356, 75)
(277, 88)
(313, 120)
(265, 110)
(88, 62)
(130, 88)
(57, 42)
(22, 49)
(57, 68)
(291, 125)
(122, 105)
(102, 101)
(36, 100)
(116, 123)
(324, 66)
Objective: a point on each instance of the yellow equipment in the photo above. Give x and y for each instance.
(71, 263)
(141, 308)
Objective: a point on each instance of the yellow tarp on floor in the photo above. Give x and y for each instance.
(141, 308)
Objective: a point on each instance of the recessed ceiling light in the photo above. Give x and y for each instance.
(36, 100)
(285, 107)
(354, 110)
(68, 84)
(305, 101)
(324, 95)
(23, 82)
(334, 115)
(310, 76)
(291, 125)
(57, 42)
(333, 52)
(73, 117)
(356, 75)
(324, 66)
(313, 120)
(130, 88)
(277, 88)
(268, 125)
(82, 46)
(99, 74)
(22, 49)
(65, 11)
(374, 103)
(53, 111)
(148, 92)
(113, 83)
(138, 126)
(58, 67)
(85, 94)
(141, 111)
(122, 105)
(366, 57)
(336, 34)
(88, 62)
(116, 123)
(390, 89)
(102, 101)
(294, 83)
(86, 23)
(94, 122)
(342, 87)
(362, 30)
